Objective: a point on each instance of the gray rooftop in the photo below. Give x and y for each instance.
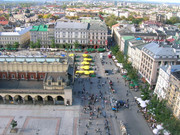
(71, 25)
(156, 51)
(97, 26)
(174, 68)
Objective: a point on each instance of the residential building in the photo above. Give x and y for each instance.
(87, 34)
(135, 53)
(71, 32)
(20, 35)
(157, 18)
(154, 56)
(173, 96)
(44, 33)
(129, 30)
(171, 14)
(163, 81)
(124, 44)
(3, 21)
(97, 34)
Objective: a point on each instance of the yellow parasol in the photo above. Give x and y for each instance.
(85, 55)
(71, 55)
(86, 72)
(91, 72)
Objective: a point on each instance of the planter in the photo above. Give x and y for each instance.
(14, 130)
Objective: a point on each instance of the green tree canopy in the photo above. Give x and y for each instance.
(53, 45)
(16, 45)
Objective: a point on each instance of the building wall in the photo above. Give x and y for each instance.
(149, 67)
(97, 37)
(33, 67)
(173, 96)
(11, 39)
(135, 55)
(40, 35)
(70, 36)
(22, 75)
(162, 84)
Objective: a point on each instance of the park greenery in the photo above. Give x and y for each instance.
(173, 20)
(54, 45)
(112, 19)
(156, 108)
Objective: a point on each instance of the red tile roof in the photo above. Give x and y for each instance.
(4, 22)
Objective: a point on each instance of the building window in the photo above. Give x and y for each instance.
(22, 76)
(12, 76)
(159, 63)
(4, 76)
(32, 76)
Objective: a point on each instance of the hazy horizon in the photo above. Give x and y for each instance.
(149, 1)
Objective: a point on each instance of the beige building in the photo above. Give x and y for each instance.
(154, 56)
(173, 95)
(53, 76)
(20, 35)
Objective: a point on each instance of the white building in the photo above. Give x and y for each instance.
(134, 52)
(20, 35)
(161, 88)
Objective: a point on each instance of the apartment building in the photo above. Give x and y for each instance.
(71, 32)
(44, 33)
(20, 35)
(173, 96)
(163, 81)
(92, 34)
(154, 56)
(97, 34)
(135, 53)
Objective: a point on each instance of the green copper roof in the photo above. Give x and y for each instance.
(40, 28)
(128, 37)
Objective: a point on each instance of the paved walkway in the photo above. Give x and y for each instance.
(72, 120)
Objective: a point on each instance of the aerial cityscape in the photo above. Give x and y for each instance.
(95, 67)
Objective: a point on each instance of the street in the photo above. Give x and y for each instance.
(134, 122)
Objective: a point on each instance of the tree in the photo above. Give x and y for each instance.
(67, 45)
(173, 20)
(32, 45)
(40, 16)
(38, 43)
(9, 46)
(76, 44)
(16, 45)
(13, 123)
(53, 45)
(115, 49)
